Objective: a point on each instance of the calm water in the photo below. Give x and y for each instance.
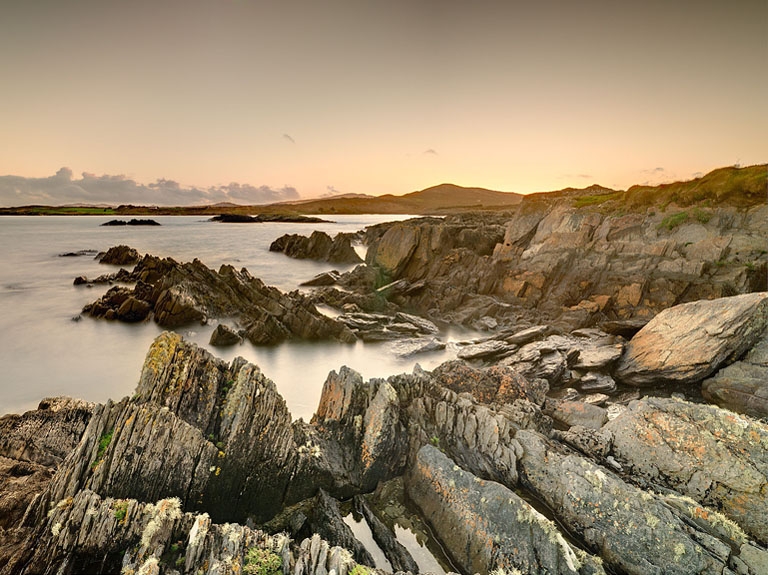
(44, 353)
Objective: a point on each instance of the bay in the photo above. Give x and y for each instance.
(45, 352)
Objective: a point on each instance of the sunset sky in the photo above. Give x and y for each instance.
(315, 97)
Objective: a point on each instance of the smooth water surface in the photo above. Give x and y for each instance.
(43, 352)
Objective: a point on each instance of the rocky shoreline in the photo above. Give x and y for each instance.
(612, 420)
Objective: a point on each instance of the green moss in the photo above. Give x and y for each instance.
(360, 570)
(262, 562)
(701, 216)
(104, 442)
(121, 508)
(596, 200)
(673, 220)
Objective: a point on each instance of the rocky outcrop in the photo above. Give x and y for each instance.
(486, 526)
(689, 342)
(319, 246)
(713, 456)
(131, 222)
(119, 256)
(383, 327)
(178, 294)
(639, 493)
(571, 263)
(224, 335)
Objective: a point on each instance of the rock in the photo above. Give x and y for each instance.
(119, 256)
(496, 384)
(711, 455)
(224, 336)
(381, 327)
(326, 521)
(260, 218)
(626, 328)
(132, 222)
(180, 294)
(743, 385)
(319, 246)
(80, 280)
(411, 347)
(78, 253)
(528, 335)
(635, 531)
(487, 349)
(570, 413)
(592, 382)
(688, 342)
(486, 526)
(397, 555)
(323, 279)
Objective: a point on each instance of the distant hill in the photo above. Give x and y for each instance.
(443, 198)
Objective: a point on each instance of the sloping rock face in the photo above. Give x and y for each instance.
(487, 526)
(717, 458)
(575, 266)
(688, 342)
(178, 294)
(319, 246)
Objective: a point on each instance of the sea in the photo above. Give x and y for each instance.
(48, 349)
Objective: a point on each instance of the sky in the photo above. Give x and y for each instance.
(189, 101)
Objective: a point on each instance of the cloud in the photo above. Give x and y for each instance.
(430, 151)
(61, 189)
(289, 138)
(331, 192)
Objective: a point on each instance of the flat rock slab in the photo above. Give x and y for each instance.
(689, 342)
(486, 349)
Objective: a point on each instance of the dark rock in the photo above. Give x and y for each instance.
(626, 328)
(396, 554)
(179, 294)
(80, 280)
(133, 310)
(119, 256)
(261, 218)
(224, 335)
(326, 521)
(319, 246)
(323, 279)
(78, 253)
(132, 222)
(691, 341)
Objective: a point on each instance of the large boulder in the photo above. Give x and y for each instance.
(319, 246)
(119, 256)
(691, 341)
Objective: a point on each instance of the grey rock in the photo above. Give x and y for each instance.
(688, 342)
(570, 413)
(486, 526)
(323, 279)
(487, 349)
(224, 335)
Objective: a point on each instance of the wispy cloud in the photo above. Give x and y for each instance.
(289, 138)
(431, 151)
(63, 188)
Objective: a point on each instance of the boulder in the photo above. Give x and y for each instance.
(323, 279)
(486, 349)
(570, 413)
(743, 385)
(689, 342)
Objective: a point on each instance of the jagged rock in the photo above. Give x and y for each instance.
(495, 384)
(712, 455)
(131, 222)
(80, 280)
(180, 294)
(223, 336)
(527, 335)
(634, 531)
(486, 526)
(486, 349)
(323, 279)
(743, 385)
(688, 342)
(326, 521)
(119, 256)
(318, 246)
(381, 327)
(46, 435)
(592, 382)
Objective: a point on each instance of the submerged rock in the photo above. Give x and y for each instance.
(319, 246)
(119, 256)
(224, 335)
